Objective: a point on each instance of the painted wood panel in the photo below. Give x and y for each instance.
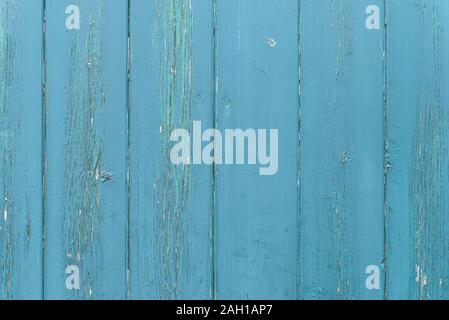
(86, 214)
(20, 149)
(341, 152)
(86, 177)
(417, 119)
(256, 237)
(171, 206)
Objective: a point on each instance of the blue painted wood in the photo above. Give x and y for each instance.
(341, 153)
(171, 206)
(257, 87)
(86, 126)
(20, 149)
(86, 178)
(417, 118)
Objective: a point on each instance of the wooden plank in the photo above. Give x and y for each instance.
(86, 183)
(342, 185)
(171, 86)
(20, 149)
(418, 44)
(257, 88)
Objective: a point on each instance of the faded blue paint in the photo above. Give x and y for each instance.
(257, 87)
(341, 152)
(86, 179)
(171, 207)
(418, 122)
(20, 149)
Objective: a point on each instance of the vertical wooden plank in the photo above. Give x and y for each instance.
(418, 44)
(257, 82)
(341, 149)
(20, 149)
(171, 86)
(86, 208)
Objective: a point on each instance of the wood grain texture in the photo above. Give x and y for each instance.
(171, 206)
(341, 154)
(20, 149)
(86, 128)
(418, 44)
(85, 172)
(256, 240)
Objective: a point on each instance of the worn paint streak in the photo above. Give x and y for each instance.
(170, 205)
(19, 182)
(173, 184)
(87, 143)
(428, 179)
(10, 122)
(83, 167)
(342, 185)
(417, 127)
(340, 211)
(429, 200)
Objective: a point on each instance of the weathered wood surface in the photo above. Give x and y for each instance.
(341, 150)
(86, 178)
(171, 206)
(256, 247)
(418, 159)
(20, 149)
(86, 153)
